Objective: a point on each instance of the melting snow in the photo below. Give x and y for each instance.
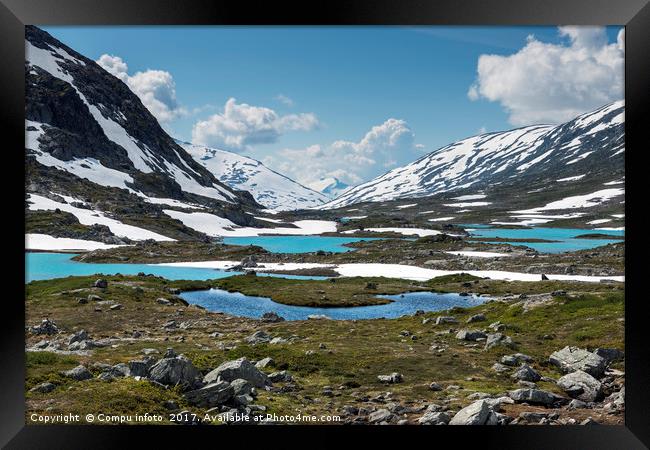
(91, 217)
(46, 242)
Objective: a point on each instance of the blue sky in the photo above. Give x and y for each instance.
(309, 87)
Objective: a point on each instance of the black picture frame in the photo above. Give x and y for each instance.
(633, 14)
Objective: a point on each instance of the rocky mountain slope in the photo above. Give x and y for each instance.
(591, 146)
(90, 138)
(269, 188)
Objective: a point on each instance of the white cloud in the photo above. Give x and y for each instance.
(156, 88)
(240, 126)
(284, 100)
(383, 147)
(552, 83)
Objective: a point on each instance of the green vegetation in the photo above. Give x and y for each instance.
(339, 292)
(352, 353)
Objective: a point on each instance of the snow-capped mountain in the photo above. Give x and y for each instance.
(269, 188)
(330, 186)
(85, 123)
(591, 145)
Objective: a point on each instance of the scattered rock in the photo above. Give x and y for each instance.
(271, 317)
(380, 416)
(570, 359)
(101, 283)
(280, 377)
(470, 335)
(79, 373)
(393, 378)
(610, 354)
(46, 326)
(265, 362)
(116, 307)
(258, 337)
(434, 418)
(78, 337)
(43, 388)
(494, 339)
(318, 317)
(239, 368)
(536, 396)
(435, 386)
(210, 395)
(163, 301)
(513, 360)
(174, 370)
(526, 373)
(581, 385)
(445, 319)
(478, 413)
(476, 318)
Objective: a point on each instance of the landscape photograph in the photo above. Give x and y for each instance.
(325, 225)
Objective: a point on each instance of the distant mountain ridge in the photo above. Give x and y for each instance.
(330, 186)
(269, 188)
(591, 145)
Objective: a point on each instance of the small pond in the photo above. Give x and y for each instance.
(235, 303)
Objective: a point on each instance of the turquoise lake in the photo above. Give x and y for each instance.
(297, 244)
(565, 236)
(45, 266)
(403, 304)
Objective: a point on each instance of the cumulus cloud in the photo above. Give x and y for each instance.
(382, 148)
(156, 88)
(241, 126)
(552, 83)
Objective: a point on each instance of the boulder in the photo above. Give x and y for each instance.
(494, 339)
(570, 359)
(239, 368)
(581, 385)
(43, 388)
(94, 298)
(478, 413)
(317, 317)
(242, 387)
(101, 283)
(526, 373)
(172, 371)
(434, 418)
(513, 360)
(435, 386)
(381, 415)
(210, 395)
(46, 326)
(536, 396)
(265, 362)
(163, 301)
(609, 354)
(259, 337)
(393, 378)
(78, 337)
(280, 377)
(271, 317)
(470, 335)
(79, 373)
(476, 318)
(445, 319)
(139, 368)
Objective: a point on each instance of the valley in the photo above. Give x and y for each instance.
(483, 283)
